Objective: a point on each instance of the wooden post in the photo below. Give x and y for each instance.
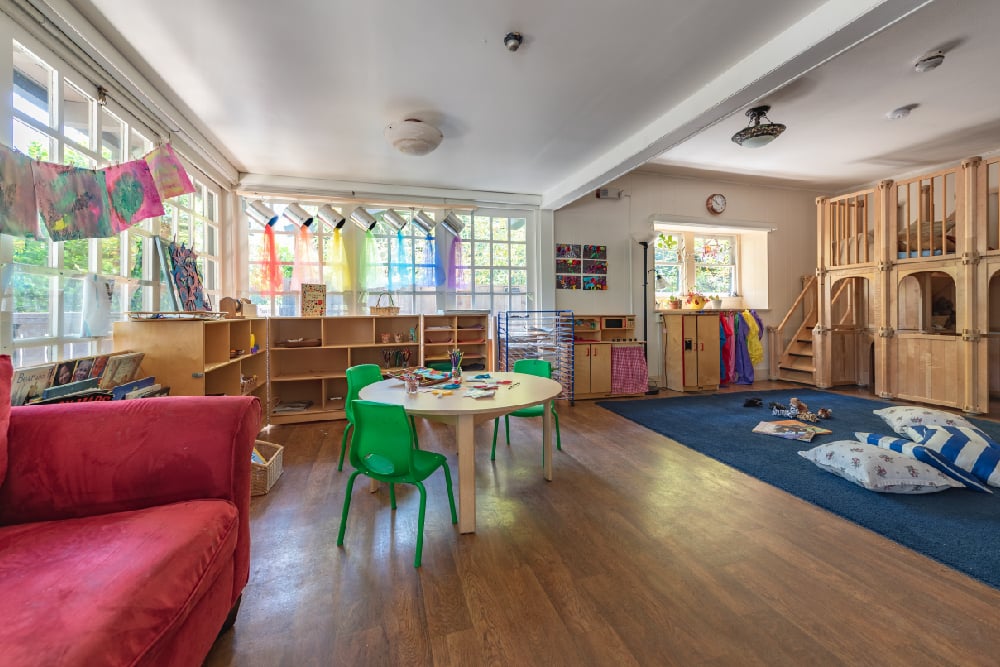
(885, 244)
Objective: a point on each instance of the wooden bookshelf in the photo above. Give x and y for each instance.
(468, 332)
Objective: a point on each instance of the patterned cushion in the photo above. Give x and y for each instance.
(965, 446)
(899, 417)
(926, 455)
(877, 469)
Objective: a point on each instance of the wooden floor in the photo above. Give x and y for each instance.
(639, 552)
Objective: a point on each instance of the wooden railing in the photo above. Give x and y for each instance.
(776, 335)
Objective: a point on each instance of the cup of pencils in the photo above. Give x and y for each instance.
(412, 382)
(456, 365)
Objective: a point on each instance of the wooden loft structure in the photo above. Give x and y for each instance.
(906, 294)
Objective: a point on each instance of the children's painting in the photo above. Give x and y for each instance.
(567, 282)
(595, 282)
(133, 194)
(568, 250)
(567, 266)
(187, 278)
(595, 266)
(18, 209)
(72, 202)
(168, 172)
(595, 252)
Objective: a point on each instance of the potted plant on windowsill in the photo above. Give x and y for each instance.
(674, 303)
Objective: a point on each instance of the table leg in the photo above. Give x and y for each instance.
(466, 474)
(547, 440)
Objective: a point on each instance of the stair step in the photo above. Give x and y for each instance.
(796, 376)
(803, 364)
(800, 349)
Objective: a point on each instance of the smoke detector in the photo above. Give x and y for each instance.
(413, 136)
(512, 40)
(930, 60)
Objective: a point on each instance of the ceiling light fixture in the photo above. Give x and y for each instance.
(394, 220)
(756, 134)
(413, 136)
(363, 219)
(261, 212)
(424, 222)
(298, 215)
(452, 223)
(329, 215)
(930, 60)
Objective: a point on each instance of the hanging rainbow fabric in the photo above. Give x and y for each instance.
(338, 269)
(368, 271)
(306, 266)
(265, 274)
(18, 208)
(400, 269)
(457, 278)
(431, 273)
(133, 194)
(72, 202)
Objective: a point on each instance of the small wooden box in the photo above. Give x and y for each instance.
(264, 475)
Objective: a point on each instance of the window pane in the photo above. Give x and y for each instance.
(32, 83)
(671, 279)
(518, 254)
(138, 145)
(713, 251)
(667, 248)
(501, 254)
(77, 120)
(29, 251)
(112, 137)
(482, 257)
(499, 229)
(518, 229)
(33, 143)
(482, 227)
(73, 157)
(501, 279)
(210, 211)
(110, 256)
(714, 280)
(31, 305)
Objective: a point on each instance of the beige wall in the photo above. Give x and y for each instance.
(791, 246)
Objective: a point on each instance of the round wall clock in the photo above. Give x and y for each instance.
(716, 203)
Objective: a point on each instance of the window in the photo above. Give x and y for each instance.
(54, 119)
(492, 267)
(405, 266)
(687, 261)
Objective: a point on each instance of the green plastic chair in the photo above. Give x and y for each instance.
(382, 448)
(359, 377)
(540, 368)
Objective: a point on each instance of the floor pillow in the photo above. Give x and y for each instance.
(878, 469)
(899, 417)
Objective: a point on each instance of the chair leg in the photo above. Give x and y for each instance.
(347, 506)
(413, 425)
(392, 496)
(506, 428)
(555, 418)
(451, 496)
(420, 524)
(496, 427)
(343, 446)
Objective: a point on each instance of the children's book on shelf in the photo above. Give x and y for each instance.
(87, 396)
(122, 391)
(121, 368)
(69, 388)
(290, 407)
(791, 429)
(100, 363)
(28, 384)
(313, 300)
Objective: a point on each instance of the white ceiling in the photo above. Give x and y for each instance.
(304, 89)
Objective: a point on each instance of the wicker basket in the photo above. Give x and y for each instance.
(264, 475)
(379, 309)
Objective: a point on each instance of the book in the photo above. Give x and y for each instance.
(313, 300)
(88, 396)
(100, 362)
(28, 383)
(791, 429)
(289, 407)
(123, 390)
(82, 369)
(69, 388)
(121, 368)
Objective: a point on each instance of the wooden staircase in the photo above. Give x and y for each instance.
(795, 362)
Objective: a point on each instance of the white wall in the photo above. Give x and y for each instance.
(791, 247)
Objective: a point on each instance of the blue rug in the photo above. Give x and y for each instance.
(958, 527)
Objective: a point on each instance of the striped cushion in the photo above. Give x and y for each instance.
(925, 454)
(965, 446)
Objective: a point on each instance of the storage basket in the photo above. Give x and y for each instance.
(264, 475)
(379, 309)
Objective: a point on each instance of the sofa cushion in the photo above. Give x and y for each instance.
(6, 371)
(104, 589)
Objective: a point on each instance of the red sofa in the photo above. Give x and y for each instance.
(124, 529)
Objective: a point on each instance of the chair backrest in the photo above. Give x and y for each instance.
(359, 377)
(538, 367)
(383, 439)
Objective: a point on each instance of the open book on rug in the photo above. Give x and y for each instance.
(790, 429)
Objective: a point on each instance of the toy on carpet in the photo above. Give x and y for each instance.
(753, 403)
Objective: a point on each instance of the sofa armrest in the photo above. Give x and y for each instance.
(78, 459)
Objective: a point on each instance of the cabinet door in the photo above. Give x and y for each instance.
(690, 345)
(708, 351)
(581, 369)
(600, 368)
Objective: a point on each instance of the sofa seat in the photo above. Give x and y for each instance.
(104, 589)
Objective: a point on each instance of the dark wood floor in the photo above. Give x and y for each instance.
(639, 552)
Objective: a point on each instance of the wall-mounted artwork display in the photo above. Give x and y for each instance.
(581, 266)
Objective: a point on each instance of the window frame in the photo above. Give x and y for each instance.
(688, 264)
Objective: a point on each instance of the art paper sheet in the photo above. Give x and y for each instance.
(133, 194)
(188, 278)
(18, 209)
(168, 172)
(97, 297)
(72, 202)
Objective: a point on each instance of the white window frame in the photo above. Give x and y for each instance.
(491, 296)
(688, 264)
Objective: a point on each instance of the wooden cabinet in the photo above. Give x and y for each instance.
(309, 357)
(594, 337)
(467, 332)
(691, 348)
(592, 370)
(200, 357)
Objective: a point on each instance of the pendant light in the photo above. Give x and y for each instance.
(758, 134)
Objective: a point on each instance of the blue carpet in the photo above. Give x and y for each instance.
(958, 527)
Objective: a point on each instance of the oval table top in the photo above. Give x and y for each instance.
(525, 390)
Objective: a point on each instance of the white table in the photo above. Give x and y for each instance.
(464, 413)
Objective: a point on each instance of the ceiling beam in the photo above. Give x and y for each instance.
(832, 28)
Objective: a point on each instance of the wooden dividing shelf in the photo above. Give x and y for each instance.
(195, 357)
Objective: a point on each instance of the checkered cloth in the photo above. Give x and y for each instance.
(628, 370)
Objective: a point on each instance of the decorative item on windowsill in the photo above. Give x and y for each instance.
(674, 303)
(715, 302)
(456, 365)
(694, 301)
(379, 309)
